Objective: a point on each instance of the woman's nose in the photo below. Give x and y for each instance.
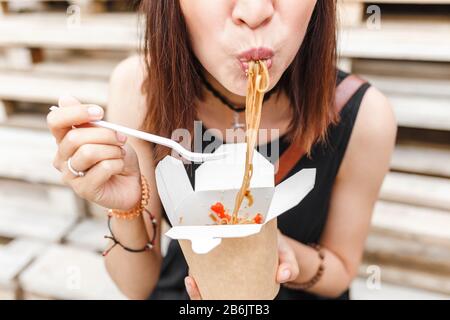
(253, 13)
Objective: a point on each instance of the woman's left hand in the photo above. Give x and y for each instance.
(287, 268)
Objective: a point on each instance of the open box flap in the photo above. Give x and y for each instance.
(173, 185)
(206, 238)
(227, 173)
(291, 192)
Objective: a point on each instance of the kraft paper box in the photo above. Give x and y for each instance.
(229, 261)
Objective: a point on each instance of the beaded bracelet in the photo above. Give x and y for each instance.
(131, 214)
(313, 281)
(138, 209)
(116, 242)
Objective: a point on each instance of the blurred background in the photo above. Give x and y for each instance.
(50, 240)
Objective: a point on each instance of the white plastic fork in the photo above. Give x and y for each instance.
(189, 155)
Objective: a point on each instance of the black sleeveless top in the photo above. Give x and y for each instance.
(304, 223)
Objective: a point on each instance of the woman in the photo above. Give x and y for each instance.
(198, 52)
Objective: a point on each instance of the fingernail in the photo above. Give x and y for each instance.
(285, 274)
(95, 112)
(121, 137)
(187, 283)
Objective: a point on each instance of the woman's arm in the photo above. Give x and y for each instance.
(354, 194)
(135, 274)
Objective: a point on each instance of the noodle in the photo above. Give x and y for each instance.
(257, 85)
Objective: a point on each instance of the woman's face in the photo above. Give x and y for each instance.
(226, 34)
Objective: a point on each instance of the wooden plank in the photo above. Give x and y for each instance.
(64, 272)
(417, 86)
(397, 41)
(361, 291)
(89, 234)
(414, 253)
(412, 223)
(416, 190)
(421, 112)
(408, 277)
(47, 227)
(41, 199)
(47, 89)
(48, 213)
(27, 121)
(116, 31)
(400, 1)
(5, 110)
(403, 70)
(21, 145)
(350, 13)
(422, 158)
(14, 258)
(89, 67)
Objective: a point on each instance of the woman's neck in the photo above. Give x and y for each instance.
(276, 113)
(234, 99)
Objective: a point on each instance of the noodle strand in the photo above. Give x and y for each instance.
(257, 85)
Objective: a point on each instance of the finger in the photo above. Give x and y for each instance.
(285, 273)
(61, 120)
(75, 138)
(192, 289)
(87, 187)
(288, 266)
(89, 155)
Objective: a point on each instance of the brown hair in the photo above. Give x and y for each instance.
(173, 80)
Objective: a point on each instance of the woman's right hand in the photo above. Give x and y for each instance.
(112, 174)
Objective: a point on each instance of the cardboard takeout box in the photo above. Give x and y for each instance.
(229, 261)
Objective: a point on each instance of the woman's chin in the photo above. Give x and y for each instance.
(237, 87)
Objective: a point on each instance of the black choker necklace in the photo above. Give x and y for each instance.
(227, 102)
(237, 109)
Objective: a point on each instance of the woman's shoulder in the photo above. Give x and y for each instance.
(375, 111)
(373, 135)
(127, 101)
(376, 116)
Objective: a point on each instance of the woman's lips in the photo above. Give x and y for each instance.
(255, 54)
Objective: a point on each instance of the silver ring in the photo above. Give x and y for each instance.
(74, 172)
